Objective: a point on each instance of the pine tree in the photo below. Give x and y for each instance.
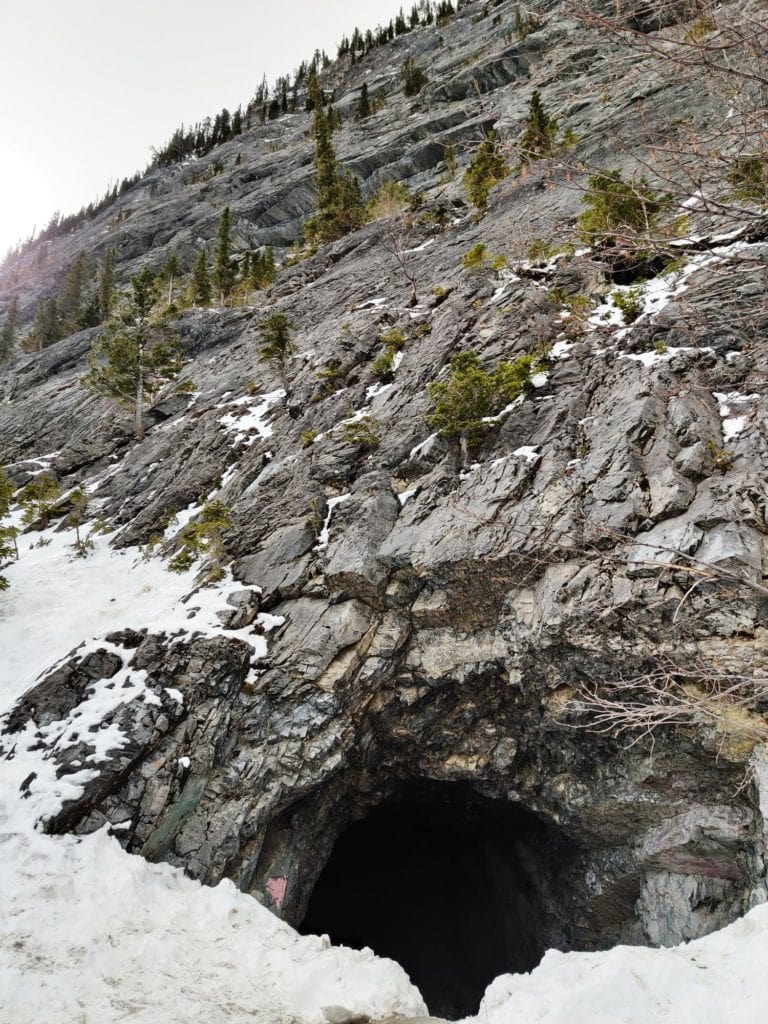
(201, 280)
(277, 345)
(45, 329)
(339, 207)
(135, 356)
(78, 501)
(70, 298)
(38, 499)
(107, 284)
(539, 134)
(414, 78)
(488, 168)
(170, 272)
(364, 104)
(223, 273)
(204, 537)
(8, 533)
(8, 333)
(263, 269)
(315, 95)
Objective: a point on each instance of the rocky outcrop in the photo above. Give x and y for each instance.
(439, 608)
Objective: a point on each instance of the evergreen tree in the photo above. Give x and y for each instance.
(246, 270)
(263, 270)
(8, 533)
(45, 329)
(107, 284)
(339, 207)
(488, 168)
(170, 272)
(38, 500)
(223, 272)
(204, 538)
(277, 345)
(225, 125)
(539, 134)
(70, 298)
(135, 356)
(78, 501)
(413, 77)
(201, 280)
(315, 97)
(8, 333)
(364, 104)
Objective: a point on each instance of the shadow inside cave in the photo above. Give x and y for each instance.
(449, 884)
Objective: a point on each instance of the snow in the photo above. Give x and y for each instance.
(561, 349)
(654, 358)
(507, 408)
(420, 248)
(732, 425)
(527, 452)
(694, 201)
(325, 533)
(357, 416)
(422, 446)
(377, 389)
(404, 496)
(115, 589)
(374, 304)
(250, 416)
(93, 934)
(90, 933)
(712, 980)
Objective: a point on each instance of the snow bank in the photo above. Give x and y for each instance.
(720, 978)
(57, 602)
(89, 933)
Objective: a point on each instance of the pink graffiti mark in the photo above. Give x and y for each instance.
(276, 889)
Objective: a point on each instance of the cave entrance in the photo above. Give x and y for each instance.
(455, 887)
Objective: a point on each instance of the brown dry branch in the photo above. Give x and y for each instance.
(394, 239)
(669, 694)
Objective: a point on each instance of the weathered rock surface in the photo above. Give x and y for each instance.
(606, 523)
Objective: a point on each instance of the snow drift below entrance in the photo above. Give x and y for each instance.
(90, 933)
(709, 981)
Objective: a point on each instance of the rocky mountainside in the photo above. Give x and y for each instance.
(409, 621)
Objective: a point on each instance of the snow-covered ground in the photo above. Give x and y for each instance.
(720, 979)
(89, 933)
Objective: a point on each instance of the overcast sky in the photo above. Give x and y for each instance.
(88, 86)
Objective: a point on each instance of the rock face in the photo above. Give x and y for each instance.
(438, 617)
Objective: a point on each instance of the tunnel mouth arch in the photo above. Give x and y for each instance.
(456, 887)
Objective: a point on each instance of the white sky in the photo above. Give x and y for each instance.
(88, 86)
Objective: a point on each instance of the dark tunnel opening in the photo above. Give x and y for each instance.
(450, 885)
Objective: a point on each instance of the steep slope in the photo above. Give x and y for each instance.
(408, 621)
